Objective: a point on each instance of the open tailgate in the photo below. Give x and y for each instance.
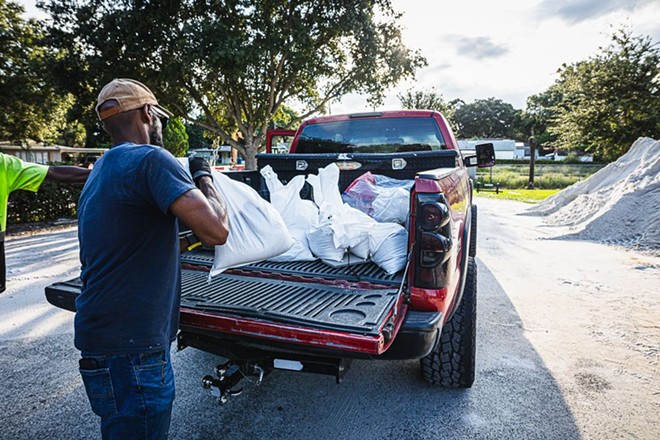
(303, 313)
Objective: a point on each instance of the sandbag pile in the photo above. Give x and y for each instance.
(332, 230)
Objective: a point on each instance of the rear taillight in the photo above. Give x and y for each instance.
(433, 244)
(434, 249)
(432, 216)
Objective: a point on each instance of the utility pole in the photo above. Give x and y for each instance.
(532, 159)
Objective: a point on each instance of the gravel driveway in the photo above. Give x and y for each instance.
(568, 347)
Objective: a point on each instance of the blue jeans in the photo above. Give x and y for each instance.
(133, 394)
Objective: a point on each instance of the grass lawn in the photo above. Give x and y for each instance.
(520, 195)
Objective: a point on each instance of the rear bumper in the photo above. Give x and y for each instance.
(417, 336)
(415, 339)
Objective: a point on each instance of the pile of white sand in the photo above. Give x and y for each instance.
(619, 204)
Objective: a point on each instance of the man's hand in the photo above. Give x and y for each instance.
(199, 168)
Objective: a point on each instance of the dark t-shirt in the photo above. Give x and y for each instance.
(129, 251)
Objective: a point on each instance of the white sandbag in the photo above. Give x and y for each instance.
(321, 243)
(351, 231)
(256, 230)
(299, 215)
(326, 191)
(388, 244)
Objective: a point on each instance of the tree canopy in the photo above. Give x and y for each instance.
(431, 100)
(235, 62)
(485, 118)
(606, 102)
(30, 108)
(175, 137)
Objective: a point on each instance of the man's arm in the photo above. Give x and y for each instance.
(204, 211)
(67, 174)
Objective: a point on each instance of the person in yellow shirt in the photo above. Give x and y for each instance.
(16, 174)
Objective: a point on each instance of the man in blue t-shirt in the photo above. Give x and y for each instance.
(128, 309)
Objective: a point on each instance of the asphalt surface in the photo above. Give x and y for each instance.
(519, 393)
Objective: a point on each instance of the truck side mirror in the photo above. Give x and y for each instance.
(485, 155)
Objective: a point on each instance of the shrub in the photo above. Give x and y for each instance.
(53, 201)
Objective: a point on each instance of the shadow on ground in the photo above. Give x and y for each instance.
(514, 395)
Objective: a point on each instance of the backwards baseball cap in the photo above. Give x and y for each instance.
(129, 94)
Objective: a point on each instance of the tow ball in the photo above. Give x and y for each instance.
(229, 375)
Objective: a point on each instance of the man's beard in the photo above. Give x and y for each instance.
(156, 136)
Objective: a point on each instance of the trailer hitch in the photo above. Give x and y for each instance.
(228, 375)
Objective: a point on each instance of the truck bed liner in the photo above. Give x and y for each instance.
(365, 272)
(360, 311)
(357, 311)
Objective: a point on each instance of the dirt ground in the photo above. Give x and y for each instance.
(591, 311)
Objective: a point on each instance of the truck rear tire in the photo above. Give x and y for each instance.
(451, 363)
(473, 232)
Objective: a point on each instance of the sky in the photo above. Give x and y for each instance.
(506, 49)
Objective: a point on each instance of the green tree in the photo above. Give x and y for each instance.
(197, 137)
(73, 134)
(242, 58)
(534, 121)
(610, 99)
(30, 107)
(485, 118)
(285, 117)
(431, 100)
(175, 137)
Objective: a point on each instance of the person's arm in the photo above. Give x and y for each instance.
(203, 210)
(67, 174)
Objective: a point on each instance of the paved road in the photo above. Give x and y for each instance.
(520, 392)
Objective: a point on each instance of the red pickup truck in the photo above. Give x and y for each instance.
(313, 317)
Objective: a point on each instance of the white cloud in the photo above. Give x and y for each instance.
(575, 11)
(477, 47)
(507, 49)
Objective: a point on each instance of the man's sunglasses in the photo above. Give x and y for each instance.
(164, 119)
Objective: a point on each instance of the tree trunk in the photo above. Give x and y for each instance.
(532, 159)
(251, 150)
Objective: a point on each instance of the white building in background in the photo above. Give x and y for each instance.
(45, 154)
(504, 148)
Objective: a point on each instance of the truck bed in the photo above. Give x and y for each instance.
(354, 299)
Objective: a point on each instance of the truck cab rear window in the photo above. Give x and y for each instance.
(387, 135)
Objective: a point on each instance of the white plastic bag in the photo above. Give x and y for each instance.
(392, 205)
(383, 198)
